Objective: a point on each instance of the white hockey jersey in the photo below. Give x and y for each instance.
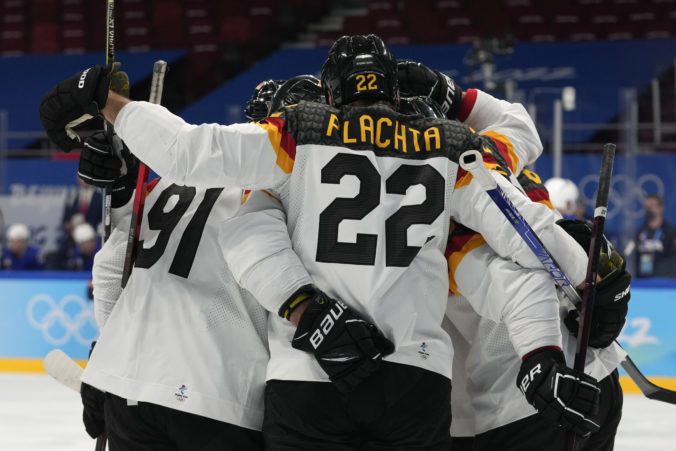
(182, 334)
(369, 195)
(491, 325)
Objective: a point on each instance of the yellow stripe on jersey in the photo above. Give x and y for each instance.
(456, 257)
(513, 160)
(284, 160)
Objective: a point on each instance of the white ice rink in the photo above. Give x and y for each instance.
(39, 414)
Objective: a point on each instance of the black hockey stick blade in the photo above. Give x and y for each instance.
(649, 389)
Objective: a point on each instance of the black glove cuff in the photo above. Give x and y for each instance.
(302, 294)
(448, 95)
(546, 351)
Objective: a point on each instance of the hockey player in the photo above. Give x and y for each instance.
(481, 323)
(183, 350)
(352, 234)
(229, 407)
(486, 402)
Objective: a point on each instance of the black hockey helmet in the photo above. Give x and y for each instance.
(258, 105)
(300, 87)
(421, 105)
(359, 67)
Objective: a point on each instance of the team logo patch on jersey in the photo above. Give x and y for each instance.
(423, 351)
(180, 395)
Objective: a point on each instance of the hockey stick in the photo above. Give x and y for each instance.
(471, 161)
(64, 369)
(156, 86)
(108, 128)
(589, 293)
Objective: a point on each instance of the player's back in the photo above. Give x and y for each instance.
(368, 212)
(183, 334)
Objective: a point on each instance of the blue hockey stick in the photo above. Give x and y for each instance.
(472, 162)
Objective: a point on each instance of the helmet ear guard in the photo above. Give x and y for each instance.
(300, 87)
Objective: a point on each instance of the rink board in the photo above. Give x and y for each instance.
(43, 311)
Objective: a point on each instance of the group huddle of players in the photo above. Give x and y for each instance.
(315, 278)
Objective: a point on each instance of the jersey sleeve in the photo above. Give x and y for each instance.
(525, 300)
(508, 124)
(257, 247)
(107, 275)
(253, 155)
(473, 207)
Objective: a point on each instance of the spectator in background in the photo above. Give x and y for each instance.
(565, 197)
(656, 241)
(18, 255)
(60, 258)
(86, 245)
(87, 202)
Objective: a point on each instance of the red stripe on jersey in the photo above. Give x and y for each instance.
(504, 151)
(468, 101)
(538, 195)
(287, 143)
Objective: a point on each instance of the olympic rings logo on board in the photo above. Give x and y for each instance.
(63, 320)
(626, 193)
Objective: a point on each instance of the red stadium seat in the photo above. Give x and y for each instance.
(386, 20)
(44, 11)
(168, 25)
(13, 39)
(45, 38)
(236, 29)
(74, 39)
(357, 24)
(200, 31)
(618, 32)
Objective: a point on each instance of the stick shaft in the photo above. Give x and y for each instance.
(156, 87)
(110, 59)
(589, 294)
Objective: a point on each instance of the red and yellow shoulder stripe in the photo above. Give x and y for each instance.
(282, 142)
(461, 242)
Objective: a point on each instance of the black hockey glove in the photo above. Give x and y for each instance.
(76, 100)
(92, 414)
(570, 399)
(103, 164)
(416, 79)
(347, 347)
(612, 292)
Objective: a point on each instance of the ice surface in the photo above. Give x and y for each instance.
(39, 414)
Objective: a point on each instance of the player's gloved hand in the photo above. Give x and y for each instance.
(570, 399)
(76, 100)
(416, 79)
(102, 164)
(347, 347)
(92, 414)
(612, 292)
